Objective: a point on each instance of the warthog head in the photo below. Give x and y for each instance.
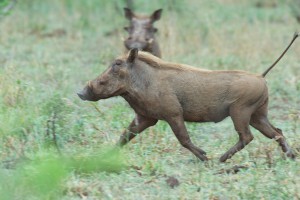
(112, 82)
(141, 30)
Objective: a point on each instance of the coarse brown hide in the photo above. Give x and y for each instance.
(141, 32)
(159, 90)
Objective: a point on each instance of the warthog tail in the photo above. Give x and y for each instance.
(294, 38)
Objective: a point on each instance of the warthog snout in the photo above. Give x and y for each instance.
(135, 44)
(81, 95)
(86, 94)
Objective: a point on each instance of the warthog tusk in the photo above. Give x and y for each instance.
(150, 40)
(122, 38)
(89, 84)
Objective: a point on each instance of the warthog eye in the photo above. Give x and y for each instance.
(118, 62)
(128, 29)
(116, 66)
(102, 82)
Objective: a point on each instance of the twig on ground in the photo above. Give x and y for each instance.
(51, 128)
(97, 108)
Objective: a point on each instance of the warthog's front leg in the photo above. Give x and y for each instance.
(138, 124)
(179, 129)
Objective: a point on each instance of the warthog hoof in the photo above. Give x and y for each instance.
(203, 158)
(225, 157)
(290, 154)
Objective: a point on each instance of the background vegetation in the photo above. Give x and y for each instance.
(59, 147)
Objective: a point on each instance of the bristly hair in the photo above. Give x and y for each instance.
(156, 62)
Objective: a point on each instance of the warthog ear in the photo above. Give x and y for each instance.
(128, 13)
(133, 53)
(156, 15)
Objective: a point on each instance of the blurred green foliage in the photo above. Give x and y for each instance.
(108, 160)
(43, 176)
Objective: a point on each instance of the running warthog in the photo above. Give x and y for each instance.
(141, 32)
(159, 90)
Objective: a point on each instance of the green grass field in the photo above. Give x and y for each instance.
(55, 146)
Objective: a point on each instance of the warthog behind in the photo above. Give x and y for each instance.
(141, 32)
(159, 90)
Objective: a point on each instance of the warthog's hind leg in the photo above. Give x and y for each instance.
(260, 121)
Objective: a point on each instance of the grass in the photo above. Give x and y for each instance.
(49, 49)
